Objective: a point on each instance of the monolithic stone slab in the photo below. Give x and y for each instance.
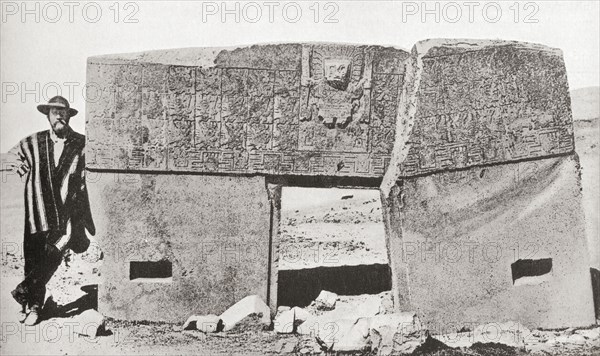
(459, 234)
(462, 123)
(212, 230)
(303, 109)
(453, 200)
(471, 102)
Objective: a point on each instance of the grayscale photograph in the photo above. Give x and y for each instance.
(306, 177)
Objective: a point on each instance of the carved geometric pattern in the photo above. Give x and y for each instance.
(331, 111)
(496, 104)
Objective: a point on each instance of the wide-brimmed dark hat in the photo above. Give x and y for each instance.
(57, 102)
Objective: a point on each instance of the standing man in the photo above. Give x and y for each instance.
(57, 210)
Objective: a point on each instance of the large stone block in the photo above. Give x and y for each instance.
(306, 109)
(177, 245)
(492, 244)
(482, 200)
(470, 102)
(473, 139)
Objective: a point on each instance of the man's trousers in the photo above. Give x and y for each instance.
(41, 261)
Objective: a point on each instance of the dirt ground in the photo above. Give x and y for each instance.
(346, 226)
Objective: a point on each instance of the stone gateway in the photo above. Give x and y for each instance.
(470, 142)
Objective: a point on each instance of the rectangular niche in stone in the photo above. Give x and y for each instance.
(151, 271)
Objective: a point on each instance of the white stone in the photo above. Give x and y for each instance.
(371, 306)
(337, 334)
(326, 300)
(388, 331)
(507, 333)
(284, 322)
(204, 323)
(86, 323)
(282, 308)
(300, 315)
(590, 334)
(251, 304)
(405, 322)
(351, 336)
(576, 339)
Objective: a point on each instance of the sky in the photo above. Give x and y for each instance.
(45, 45)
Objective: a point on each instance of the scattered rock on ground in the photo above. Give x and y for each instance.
(574, 339)
(372, 305)
(397, 332)
(87, 323)
(511, 334)
(205, 323)
(590, 334)
(287, 321)
(284, 322)
(282, 308)
(350, 336)
(508, 333)
(249, 305)
(300, 314)
(286, 346)
(326, 300)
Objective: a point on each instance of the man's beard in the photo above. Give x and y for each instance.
(61, 129)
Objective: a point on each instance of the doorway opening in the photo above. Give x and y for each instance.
(330, 239)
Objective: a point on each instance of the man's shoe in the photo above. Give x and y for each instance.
(22, 316)
(19, 295)
(33, 317)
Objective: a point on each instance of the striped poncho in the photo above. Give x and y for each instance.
(56, 198)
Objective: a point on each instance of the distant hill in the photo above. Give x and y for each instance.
(585, 103)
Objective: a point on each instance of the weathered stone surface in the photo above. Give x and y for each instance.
(467, 228)
(284, 322)
(508, 333)
(271, 109)
(471, 102)
(326, 300)
(474, 137)
(458, 213)
(287, 320)
(249, 305)
(300, 314)
(205, 323)
(351, 336)
(215, 240)
(372, 305)
(389, 332)
(326, 109)
(87, 323)
(590, 334)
